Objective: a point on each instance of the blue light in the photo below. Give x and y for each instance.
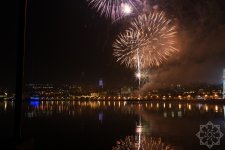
(34, 103)
(34, 98)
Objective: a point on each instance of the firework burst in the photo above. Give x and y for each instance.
(126, 47)
(114, 9)
(149, 41)
(143, 75)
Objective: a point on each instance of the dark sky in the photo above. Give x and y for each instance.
(68, 42)
(8, 43)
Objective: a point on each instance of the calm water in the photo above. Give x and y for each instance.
(99, 125)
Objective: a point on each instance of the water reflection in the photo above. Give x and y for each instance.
(146, 143)
(216, 108)
(34, 103)
(100, 117)
(72, 108)
(157, 118)
(5, 105)
(175, 122)
(141, 140)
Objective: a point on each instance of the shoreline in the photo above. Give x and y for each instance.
(209, 101)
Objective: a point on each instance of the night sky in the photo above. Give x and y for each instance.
(68, 42)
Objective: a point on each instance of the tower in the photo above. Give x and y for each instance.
(100, 83)
(224, 83)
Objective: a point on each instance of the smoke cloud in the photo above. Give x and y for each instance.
(201, 43)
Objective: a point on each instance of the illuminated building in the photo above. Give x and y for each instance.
(100, 83)
(224, 83)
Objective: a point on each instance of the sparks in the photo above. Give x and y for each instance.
(126, 9)
(115, 9)
(149, 41)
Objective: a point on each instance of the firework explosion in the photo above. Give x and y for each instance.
(114, 9)
(149, 41)
(143, 75)
(126, 47)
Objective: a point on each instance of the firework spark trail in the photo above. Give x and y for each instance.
(139, 69)
(154, 38)
(115, 9)
(131, 40)
(126, 47)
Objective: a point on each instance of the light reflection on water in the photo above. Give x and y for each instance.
(169, 120)
(224, 111)
(5, 106)
(156, 116)
(166, 110)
